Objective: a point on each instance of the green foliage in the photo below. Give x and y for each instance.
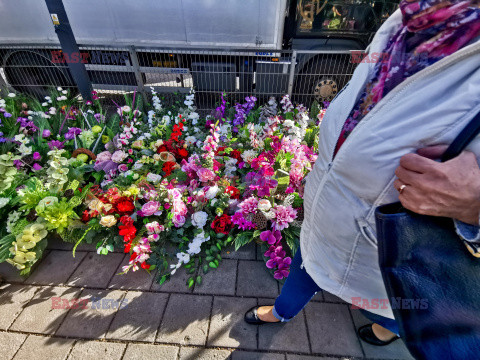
(243, 239)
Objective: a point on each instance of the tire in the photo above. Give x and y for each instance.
(33, 72)
(322, 78)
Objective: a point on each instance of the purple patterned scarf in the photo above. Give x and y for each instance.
(431, 30)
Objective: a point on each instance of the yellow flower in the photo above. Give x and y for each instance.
(108, 221)
(96, 129)
(95, 205)
(83, 157)
(105, 139)
(17, 265)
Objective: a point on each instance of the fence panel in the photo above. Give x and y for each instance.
(115, 71)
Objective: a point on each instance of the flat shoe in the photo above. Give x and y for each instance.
(366, 334)
(251, 317)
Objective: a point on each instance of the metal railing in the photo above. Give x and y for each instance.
(305, 75)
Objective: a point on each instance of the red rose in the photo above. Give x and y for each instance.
(125, 207)
(236, 155)
(233, 192)
(222, 224)
(145, 266)
(220, 150)
(182, 153)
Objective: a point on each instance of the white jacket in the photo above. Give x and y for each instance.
(338, 237)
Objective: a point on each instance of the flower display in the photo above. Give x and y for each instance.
(166, 185)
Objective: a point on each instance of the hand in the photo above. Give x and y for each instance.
(449, 189)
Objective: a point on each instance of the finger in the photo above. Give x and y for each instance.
(407, 177)
(417, 163)
(432, 152)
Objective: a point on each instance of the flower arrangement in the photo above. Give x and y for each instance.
(171, 188)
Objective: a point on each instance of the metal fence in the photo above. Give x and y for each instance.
(305, 75)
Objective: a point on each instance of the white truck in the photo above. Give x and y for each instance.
(262, 30)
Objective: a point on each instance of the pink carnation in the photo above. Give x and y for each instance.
(178, 220)
(118, 156)
(249, 205)
(104, 156)
(151, 208)
(284, 215)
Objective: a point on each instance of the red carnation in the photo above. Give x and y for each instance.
(233, 192)
(222, 224)
(236, 155)
(168, 167)
(86, 216)
(128, 232)
(145, 266)
(182, 153)
(125, 207)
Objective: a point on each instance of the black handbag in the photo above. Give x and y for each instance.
(432, 279)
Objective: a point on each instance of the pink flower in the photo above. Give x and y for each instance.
(179, 208)
(271, 237)
(178, 220)
(123, 168)
(37, 167)
(36, 156)
(205, 174)
(284, 215)
(249, 205)
(104, 156)
(151, 208)
(118, 156)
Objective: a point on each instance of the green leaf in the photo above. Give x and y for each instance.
(199, 280)
(219, 246)
(205, 268)
(212, 265)
(162, 280)
(243, 239)
(190, 282)
(209, 258)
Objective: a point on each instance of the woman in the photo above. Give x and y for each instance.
(425, 90)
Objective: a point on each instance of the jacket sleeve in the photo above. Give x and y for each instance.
(467, 232)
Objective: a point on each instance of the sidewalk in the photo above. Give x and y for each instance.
(167, 322)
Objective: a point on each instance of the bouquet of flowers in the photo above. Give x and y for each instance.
(171, 188)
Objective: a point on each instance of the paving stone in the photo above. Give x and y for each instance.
(332, 298)
(247, 355)
(55, 268)
(12, 300)
(133, 280)
(254, 280)
(188, 353)
(92, 322)
(39, 316)
(306, 357)
(139, 320)
(95, 270)
(396, 350)
(10, 273)
(148, 351)
(56, 243)
(44, 348)
(331, 329)
(219, 281)
(290, 336)
(176, 284)
(247, 252)
(9, 344)
(227, 327)
(186, 320)
(96, 350)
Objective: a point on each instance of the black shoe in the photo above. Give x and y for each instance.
(251, 317)
(366, 334)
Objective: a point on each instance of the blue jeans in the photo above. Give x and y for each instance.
(299, 288)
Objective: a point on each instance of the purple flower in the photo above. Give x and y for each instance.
(46, 133)
(271, 237)
(7, 115)
(37, 167)
(36, 156)
(72, 132)
(55, 144)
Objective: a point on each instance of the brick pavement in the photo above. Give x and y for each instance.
(168, 321)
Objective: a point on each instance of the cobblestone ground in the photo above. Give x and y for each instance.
(169, 321)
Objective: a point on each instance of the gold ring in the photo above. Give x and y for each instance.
(402, 188)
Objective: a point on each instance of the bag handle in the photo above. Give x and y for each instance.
(465, 137)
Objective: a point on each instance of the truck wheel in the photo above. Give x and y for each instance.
(322, 78)
(32, 72)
